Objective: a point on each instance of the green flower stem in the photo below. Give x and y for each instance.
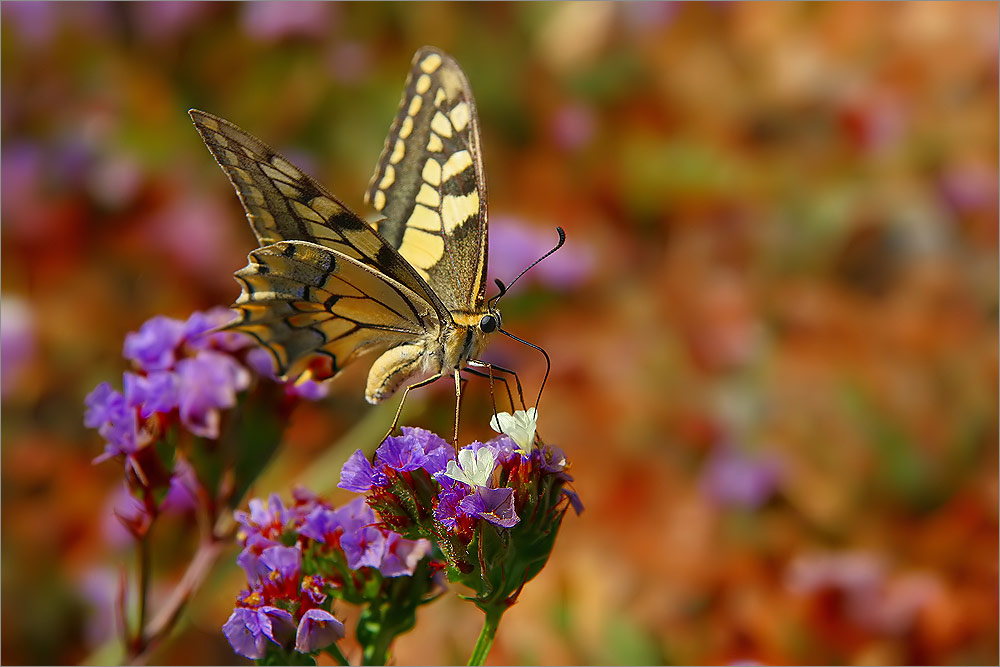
(486, 635)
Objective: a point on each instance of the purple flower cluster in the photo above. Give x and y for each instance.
(335, 551)
(352, 529)
(280, 594)
(485, 481)
(182, 369)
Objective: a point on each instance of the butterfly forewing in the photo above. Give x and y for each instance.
(429, 183)
(283, 203)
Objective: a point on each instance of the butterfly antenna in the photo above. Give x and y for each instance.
(503, 289)
(548, 362)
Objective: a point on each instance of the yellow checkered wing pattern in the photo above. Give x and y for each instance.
(430, 186)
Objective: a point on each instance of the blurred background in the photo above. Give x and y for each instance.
(773, 327)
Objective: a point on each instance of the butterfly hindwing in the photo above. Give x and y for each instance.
(300, 299)
(429, 183)
(283, 203)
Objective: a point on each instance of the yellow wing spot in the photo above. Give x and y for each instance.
(318, 229)
(220, 139)
(407, 125)
(456, 164)
(456, 209)
(253, 195)
(288, 189)
(460, 116)
(423, 84)
(389, 177)
(231, 157)
(265, 217)
(241, 175)
(424, 218)
(441, 124)
(432, 172)
(429, 196)
(434, 143)
(421, 249)
(397, 152)
(209, 123)
(286, 167)
(430, 63)
(326, 207)
(415, 105)
(439, 97)
(303, 210)
(379, 202)
(275, 174)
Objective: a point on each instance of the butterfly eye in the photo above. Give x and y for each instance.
(489, 323)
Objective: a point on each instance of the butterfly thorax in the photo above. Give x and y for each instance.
(462, 339)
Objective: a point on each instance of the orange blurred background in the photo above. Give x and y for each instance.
(773, 327)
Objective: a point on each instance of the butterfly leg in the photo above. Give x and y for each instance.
(399, 410)
(458, 405)
(500, 369)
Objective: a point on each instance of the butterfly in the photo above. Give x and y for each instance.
(326, 284)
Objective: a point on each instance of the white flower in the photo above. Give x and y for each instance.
(520, 426)
(473, 468)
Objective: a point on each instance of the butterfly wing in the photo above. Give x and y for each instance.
(300, 299)
(430, 186)
(283, 204)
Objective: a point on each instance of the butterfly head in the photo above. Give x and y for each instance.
(490, 322)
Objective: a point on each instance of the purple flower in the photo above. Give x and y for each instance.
(157, 392)
(312, 588)
(401, 453)
(104, 404)
(402, 555)
(494, 505)
(447, 511)
(574, 501)
(364, 547)
(154, 346)
(134, 515)
(321, 524)
(355, 514)
(248, 630)
(307, 388)
(359, 476)
(263, 519)
(317, 630)
(208, 382)
(200, 331)
(115, 421)
(735, 478)
(254, 545)
(281, 569)
(436, 450)
(183, 492)
(362, 542)
(504, 447)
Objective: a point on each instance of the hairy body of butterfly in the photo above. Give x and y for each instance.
(326, 283)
